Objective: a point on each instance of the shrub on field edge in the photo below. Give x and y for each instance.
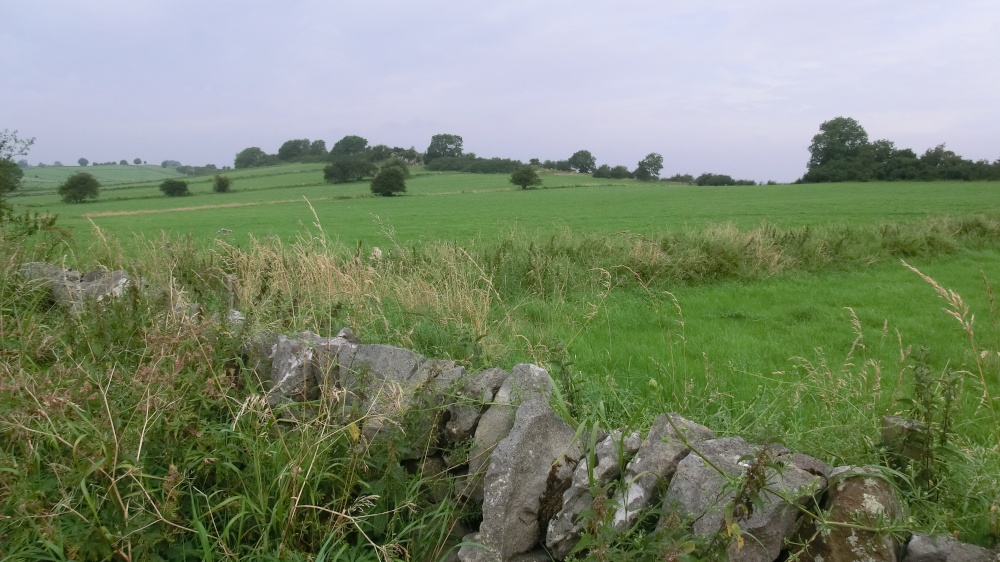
(79, 187)
(389, 181)
(221, 184)
(174, 188)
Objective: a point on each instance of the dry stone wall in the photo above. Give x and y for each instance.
(497, 438)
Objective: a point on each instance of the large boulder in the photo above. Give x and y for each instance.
(766, 504)
(610, 456)
(668, 442)
(529, 471)
(866, 500)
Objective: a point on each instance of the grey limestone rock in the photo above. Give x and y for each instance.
(768, 513)
(529, 471)
(656, 460)
(860, 496)
(610, 455)
(925, 548)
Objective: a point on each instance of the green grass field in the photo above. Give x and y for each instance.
(775, 312)
(47, 179)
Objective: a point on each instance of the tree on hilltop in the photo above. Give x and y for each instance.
(79, 187)
(345, 169)
(582, 161)
(249, 158)
(351, 145)
(442, 146)
(293, 149)
(525, 177)
(137, 161)
(649, 167)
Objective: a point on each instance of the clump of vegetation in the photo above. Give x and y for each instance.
(79, 187)
(345, 169)
(525, 177)
(221, 184)
(175, 188)
(390, 181)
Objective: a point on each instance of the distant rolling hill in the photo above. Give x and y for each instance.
(50, 177)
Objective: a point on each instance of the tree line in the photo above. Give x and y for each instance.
(842, 152)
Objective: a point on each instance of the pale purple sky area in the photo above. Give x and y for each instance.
(722, 86)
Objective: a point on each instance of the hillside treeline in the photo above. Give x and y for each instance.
(842, 152)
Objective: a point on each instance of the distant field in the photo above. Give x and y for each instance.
(50, 177)
(454, 206)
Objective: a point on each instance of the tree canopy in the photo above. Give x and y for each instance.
(79, 187)
(351, 145)
(389, 181)
(442, 146)
(293, 149)
(525, 177)
(583, 161)
(345, 169)
(649, 167)
(12, 145)
(249, 158)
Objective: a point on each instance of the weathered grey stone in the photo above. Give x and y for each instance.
(905, 439)
(859, 496)
(70, 289)
(526, 382)
(292, 373)
(656, 460)
(924, 548)
(470, 401)
(769, 510)
(528, 473)
(610, 456)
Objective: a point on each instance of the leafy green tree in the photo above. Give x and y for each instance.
(221, 184)
(344, 169)
(582, 161)
(396, 163)
(525, 177)
(389, 181)
(649, 167)
(602, 171)
(11, 145)
(293, 150)
(840, 152)
(351, 145)
(619, 173)
(10, 176)
(83, 162)
(174, 188)
(137, 161)
(123, 162)
(317, 148)
(79, 187)
(443, 145)
(249, 158)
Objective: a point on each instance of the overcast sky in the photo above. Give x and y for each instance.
(726, 86)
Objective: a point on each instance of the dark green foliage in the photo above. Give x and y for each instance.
(443, 146)
(137, 161)
(174, 188)
(582, 161)
(389, 181)
(250, 157)
(602, 171)
(649, 167)
(83, 161)
(293, 150)
(317, 148)
(79, 187)
(681, 178)
(167, 164)
(525, 177)
(619, 173)
(345, 169)
(351, 145)
(841, 152)
(396, 163)
(10, 176)
(474, 165)
(221, 184)
(720, 179)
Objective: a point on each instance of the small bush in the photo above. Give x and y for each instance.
(79, 187)
(525, 177)
(221, 184)
(174, 188)
(389, 181)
